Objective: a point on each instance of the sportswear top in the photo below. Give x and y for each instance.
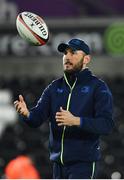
(88, 98)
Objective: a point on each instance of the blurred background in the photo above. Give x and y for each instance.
(27, 70)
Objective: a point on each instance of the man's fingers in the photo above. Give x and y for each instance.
(21, 98)
(15, 102)
(59, 117)
(16, 105)
(59, 120)
(20, 106)
(19, 110)
(62, 110)
(60, 124)
(59, 114)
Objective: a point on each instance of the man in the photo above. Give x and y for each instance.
(79, 108)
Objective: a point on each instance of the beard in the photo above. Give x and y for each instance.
(75, 69)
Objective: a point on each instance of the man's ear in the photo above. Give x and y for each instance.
(87, 59)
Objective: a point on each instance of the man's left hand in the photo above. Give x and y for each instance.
(66, 118)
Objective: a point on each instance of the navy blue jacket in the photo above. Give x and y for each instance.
(91, 100)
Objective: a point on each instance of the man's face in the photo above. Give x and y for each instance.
(73, 60)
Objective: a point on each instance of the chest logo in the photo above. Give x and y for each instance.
(85, 89)
(60, 90)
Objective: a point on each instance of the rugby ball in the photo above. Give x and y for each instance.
(32, 28)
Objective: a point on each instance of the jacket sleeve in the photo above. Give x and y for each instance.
(102, 121)
(41, 111)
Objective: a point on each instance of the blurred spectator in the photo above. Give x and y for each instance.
(21, 167)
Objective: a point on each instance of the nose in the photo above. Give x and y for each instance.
(68, 53)
(67, 57)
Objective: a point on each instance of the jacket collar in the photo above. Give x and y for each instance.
(84, 75)
(81, 76)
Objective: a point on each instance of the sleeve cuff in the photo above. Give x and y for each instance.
(81, 122)
(23, 118)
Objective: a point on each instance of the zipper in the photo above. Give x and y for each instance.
(67, 108)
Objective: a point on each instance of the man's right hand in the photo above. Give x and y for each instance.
(21, 106)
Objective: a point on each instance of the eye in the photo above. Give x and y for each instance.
(72, 51)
